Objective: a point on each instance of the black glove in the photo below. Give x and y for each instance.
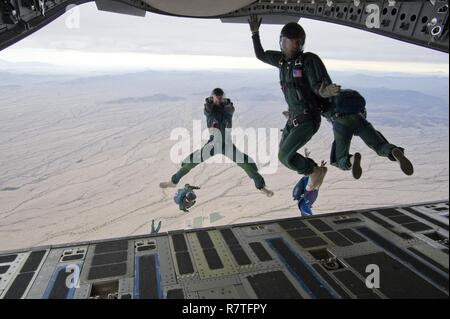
(229, 107)
(254, 22)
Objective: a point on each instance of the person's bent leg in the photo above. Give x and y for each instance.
(342, 151)
(294, 141)
(288, 154)
(281, 153)
(247, 164)
(343, 134)
(376, 141)
(190, 162)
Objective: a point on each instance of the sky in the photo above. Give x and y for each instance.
(87, 39)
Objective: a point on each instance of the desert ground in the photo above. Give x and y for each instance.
(81, 158)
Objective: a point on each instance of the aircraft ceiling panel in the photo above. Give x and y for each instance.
(423, 23)
(272, 19)
(119, 7)
(198, 8)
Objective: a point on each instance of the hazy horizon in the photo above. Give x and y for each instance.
(91, 40)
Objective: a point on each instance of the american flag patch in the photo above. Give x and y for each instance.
(297, 73)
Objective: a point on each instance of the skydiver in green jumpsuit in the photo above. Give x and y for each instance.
(305, 85)
(219, 114)
(348, 116)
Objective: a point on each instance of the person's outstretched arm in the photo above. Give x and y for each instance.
(269, 57)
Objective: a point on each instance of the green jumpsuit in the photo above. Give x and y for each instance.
(220, 118)
(348, 125)
(313, 73)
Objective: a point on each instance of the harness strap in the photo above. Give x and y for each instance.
(302, 87)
